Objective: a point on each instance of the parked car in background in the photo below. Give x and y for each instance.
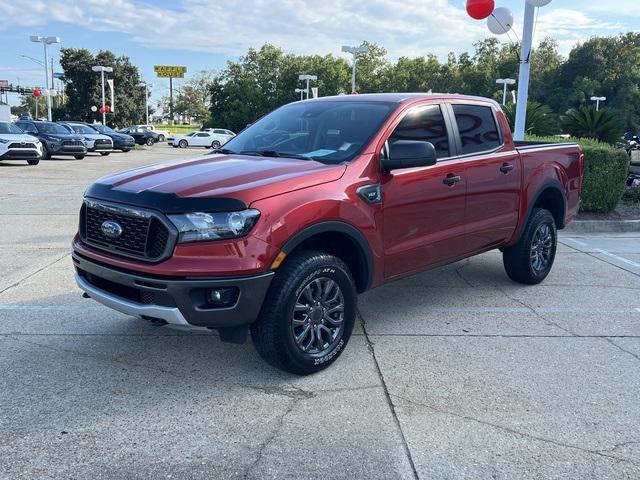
(205, 139)
(141, 136)
(121, 141)
(96, 142)
(56, 139)
(319, 201)
(17, 145)
(162, 134)
(222, 134)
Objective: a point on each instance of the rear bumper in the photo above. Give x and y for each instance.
(178, 301)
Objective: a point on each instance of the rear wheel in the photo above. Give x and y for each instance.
(104, 154)
(33, 161)
(215, 144)
(78, 157)
(125, 150)
(183, 144)
(161, 138)
(531, 259)
(308, 314)
(150, 142)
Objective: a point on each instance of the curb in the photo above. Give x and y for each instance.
(603, 226)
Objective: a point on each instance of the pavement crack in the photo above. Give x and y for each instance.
(608, 339)
(35, 273)
(392, 408)
(461, 276)
(602, 453)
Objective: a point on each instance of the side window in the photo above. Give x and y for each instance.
(219, 132)
(424, 124)
(28, 127)
(478, 130)
(203, 134)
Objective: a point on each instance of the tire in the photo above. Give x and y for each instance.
(296, 282)
(104, 154)
(125, 150)
(183, 144)
(78, 157)
(33, 161)
(150, 142)
(215, 144)
(161, 138)
(531, 259)
(46, 153)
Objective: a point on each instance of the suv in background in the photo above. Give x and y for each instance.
(17, 145)
(221, 135)
(96, 142)
(121, 141)
(56, 139)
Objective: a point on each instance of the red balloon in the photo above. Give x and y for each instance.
(37, 93)
(480, 9)
(102, 110)
(107, 108)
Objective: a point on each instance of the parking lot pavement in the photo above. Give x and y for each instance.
(454, 373)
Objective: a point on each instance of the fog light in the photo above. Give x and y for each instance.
(222, 297)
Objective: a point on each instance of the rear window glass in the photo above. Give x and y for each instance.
(477, 127)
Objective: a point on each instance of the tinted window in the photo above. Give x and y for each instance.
(10, 128)
(203, 134)
(424, 124)
(220, 132)
(330, 132)
(48, 127)
(27, 127)
(477, 126)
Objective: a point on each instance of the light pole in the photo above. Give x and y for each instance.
(301, 92)
(46, 41)
(598, 100)
(354, 51)
(505, 82)
(307, 78)
(101, 69)
(146, 98)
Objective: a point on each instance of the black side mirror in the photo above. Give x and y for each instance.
(409, 154)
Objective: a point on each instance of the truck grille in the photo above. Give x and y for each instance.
(143, 234)
(73, 145)
(22, 145)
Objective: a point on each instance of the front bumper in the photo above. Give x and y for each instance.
(61, 149)
(21, 154)
(175, 300)
(124, 144)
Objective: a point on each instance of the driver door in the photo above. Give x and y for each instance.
(424, 208)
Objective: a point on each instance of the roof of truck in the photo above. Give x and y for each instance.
(403, 97)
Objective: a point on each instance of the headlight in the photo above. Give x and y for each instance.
(2, 140)
(200, 226)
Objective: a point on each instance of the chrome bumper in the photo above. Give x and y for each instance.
(168, 314)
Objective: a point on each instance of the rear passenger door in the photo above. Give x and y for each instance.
(493, 175)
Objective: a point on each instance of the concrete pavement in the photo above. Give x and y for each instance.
(455, 373)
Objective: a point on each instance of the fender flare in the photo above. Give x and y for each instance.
(366, 257)
(555, 185)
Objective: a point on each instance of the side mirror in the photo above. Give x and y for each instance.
(409, 154)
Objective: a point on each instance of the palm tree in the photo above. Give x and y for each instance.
(587, 122)
(540, 119)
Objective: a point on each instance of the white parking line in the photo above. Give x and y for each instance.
(617, 257)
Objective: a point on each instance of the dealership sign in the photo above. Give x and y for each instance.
(168, 71)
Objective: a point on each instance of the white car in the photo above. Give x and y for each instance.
(96, 142)
(17, 145)
(208, 139)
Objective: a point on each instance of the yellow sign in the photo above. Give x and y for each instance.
(169, 71)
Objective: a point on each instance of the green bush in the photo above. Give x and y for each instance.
(631, 195)
(605, 175)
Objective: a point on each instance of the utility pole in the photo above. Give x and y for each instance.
(46, 41)
(505, 82)
(598, 100)
(525, 71)
(101, 69)
(354, 51)
(307, 78)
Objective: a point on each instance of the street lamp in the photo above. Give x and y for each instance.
(598, 100)
(307, 78)
(354, 51)
(101, 69)
(46, 41)
(301, 92)
(146, 98)
(505, 81)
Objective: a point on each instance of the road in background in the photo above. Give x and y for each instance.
(455, 373)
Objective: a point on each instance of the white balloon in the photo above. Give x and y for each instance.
(500, 21)
(538, 3)
(94, 109)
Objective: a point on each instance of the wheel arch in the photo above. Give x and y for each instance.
(341, 240)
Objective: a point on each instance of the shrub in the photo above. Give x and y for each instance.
(588, 122)
(540, 118)
(605, 175)
(631, 195)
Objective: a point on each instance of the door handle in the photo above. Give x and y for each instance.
(451, 180)
(506, 167)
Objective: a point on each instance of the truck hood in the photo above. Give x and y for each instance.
(18, 137)
(239, 177)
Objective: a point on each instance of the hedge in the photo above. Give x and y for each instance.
(605, 176)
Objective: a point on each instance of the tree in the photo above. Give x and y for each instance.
(588, 122)
(84, 88)
(540, 118)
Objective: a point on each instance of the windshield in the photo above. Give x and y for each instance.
(102, 128)
(82, 128)
(47, 127)
(6, 127)
(330, 132)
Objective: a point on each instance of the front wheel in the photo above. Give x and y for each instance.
(78, 157)
(531, 259)
(104, 154)
(161, 138)
(33, 161)
(308, 314)
(183, 144)
(150, 141)
(125, 150)
(215, 144)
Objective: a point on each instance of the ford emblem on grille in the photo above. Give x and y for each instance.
(111, 229)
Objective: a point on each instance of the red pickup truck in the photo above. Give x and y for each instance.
(316, 202)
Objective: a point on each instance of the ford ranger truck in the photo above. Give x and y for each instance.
(277, 233)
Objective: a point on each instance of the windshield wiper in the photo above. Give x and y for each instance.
(274, 153)
(224, 151)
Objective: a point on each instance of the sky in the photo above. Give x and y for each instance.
(205, 34)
